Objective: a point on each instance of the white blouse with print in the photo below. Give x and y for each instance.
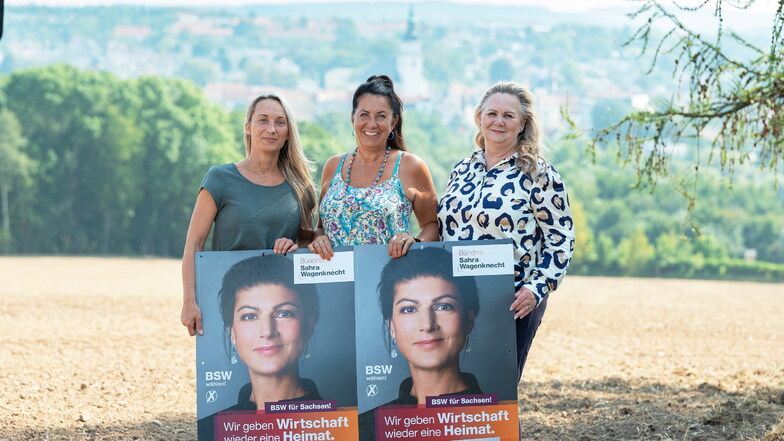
(504, 202)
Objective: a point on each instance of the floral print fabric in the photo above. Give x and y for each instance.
(363, 216)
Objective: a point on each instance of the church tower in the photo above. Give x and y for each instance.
(410, 64)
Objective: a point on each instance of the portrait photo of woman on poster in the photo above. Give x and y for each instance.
(267, 323)
(428, 318)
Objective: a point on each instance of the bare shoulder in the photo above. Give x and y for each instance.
(331, 165)
(333, 161)
(414, 174)
(412, 163)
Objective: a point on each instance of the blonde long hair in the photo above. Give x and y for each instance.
(291, 161)
(529, 147)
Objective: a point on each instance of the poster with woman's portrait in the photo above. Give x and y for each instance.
(277, 355)
(436, 342)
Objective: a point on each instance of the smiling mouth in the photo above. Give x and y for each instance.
(370, 133)
(427, 344)
(267, 350)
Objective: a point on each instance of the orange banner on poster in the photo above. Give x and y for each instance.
(476, 423)
(316, 426)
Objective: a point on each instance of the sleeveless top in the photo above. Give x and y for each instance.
(362, 216)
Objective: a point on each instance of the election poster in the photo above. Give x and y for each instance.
(276, 361)
(436, 342)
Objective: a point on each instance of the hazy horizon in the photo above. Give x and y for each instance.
(759, 6)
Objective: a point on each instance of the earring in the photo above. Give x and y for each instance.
(307, 350)
(353, 133)
(233, 354)
(393, 353)
(468, 344)
(391, 136)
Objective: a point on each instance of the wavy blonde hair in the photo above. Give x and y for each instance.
(292, 161)
(529, 147)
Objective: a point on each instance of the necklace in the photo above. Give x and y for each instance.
(358, 199)
(246, 168)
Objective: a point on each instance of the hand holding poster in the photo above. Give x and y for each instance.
(432, 342)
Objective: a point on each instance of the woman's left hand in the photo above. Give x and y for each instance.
(284, 245)
(524, 303)
(399, 244)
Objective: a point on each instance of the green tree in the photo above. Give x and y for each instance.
(739, 98)
(501, 70)
(635, 253)
(118, 162)
(319, 145)
(14, 168)
(111, 185)
(585, 247)
(199, 70)
(183, 135)
(61, 108)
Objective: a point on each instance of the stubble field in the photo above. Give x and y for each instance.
(92, 349)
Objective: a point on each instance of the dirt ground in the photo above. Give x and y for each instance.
(92, 349)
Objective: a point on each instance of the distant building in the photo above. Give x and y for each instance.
(412, 85)
(192, 24)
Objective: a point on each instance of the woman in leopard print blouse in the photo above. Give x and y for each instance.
(507, 190)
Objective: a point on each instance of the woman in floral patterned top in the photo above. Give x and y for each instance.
(506, 190)
(368, 194)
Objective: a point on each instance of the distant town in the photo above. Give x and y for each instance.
(317, 62)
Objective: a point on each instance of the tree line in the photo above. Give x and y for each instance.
(94, 164)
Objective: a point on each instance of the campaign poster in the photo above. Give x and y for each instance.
(276, 361)
(436, 342)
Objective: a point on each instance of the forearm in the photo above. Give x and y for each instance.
(428, 232)
(552, 262)
(189, 271)
(555, 222)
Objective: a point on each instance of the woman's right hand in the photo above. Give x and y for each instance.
(191, 318)
(321, 246)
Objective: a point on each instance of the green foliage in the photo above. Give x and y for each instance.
(117, 162)
(437, 144)
(441, 62)
(14, 171)
(635, 253)
(722, 269)
(585, 243)
(501, 70)
(737, 103)
(319, 145)
(199, 70)
(110, 166)
(616, 227)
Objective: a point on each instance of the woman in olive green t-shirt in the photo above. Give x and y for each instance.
(266, 201)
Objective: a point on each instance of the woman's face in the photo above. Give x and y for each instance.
(373, 121)
(269, 329)
(427, 322)
(501, 120)
(268, 128)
